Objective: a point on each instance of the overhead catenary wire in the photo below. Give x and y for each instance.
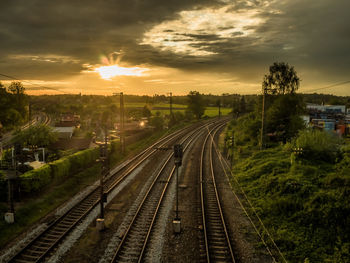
(329, 86)
(39, 86)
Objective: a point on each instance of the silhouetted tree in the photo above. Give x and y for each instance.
(242, 105)
(13, 105)
(196, 104)
(282, 79)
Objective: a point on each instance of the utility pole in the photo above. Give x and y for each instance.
(219, 109)
(122, 135)
(178, 152)
(171, 104)
(262, 130)
(232, 148)
(10, 215)
(29, 111)
(171, 122)
(100, 225)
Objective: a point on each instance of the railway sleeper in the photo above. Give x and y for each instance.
(52, 235)
(35, 252)
(48, 239)
(29, 257)
(39, 248)
(58, 231)
(217, 228)
(42, 244)
(22, 260)
(218, 247)
(68, 221)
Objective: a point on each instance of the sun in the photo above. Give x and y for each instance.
(108, 72)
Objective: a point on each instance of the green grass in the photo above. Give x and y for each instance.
(163, 108)
(157, 105)
(304, 205)
(214, 111)
(209, 111)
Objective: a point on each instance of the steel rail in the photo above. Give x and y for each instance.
(141, 205)
(210, 212)
(86, 205)
(158, 206)
(217, 195)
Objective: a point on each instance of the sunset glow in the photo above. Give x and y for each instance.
(108, 72)
(219, 46)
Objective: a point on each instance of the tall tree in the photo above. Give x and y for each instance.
(20, 99)
(13, 104)
(196, 103)
(283, 110)
(282, 79)
(242, 105)
(283, 117)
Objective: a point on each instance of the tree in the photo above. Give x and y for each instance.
(283, 117)
(282, 79)
(146, 112)
(157, 122)
(16, 87)
(242, 105)
(35, 136)
(284, 107)
(196, 103)
(12, 105)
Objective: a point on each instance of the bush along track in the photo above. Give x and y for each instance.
(301, 199)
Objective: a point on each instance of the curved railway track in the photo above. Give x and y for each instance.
(41, 246)
(217, 243)
(133, 244)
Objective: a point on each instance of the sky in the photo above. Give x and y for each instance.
(156, 47)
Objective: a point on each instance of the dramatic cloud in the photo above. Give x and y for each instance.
(196, 32)
(212, 46)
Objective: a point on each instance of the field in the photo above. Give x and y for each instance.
(164, 108)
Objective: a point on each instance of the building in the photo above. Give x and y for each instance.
(64, 132)
(332, 118)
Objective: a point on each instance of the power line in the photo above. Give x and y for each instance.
(40, 86)
(330, 86)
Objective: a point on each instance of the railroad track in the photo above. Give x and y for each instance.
(133, 244)
(41, 246)
(217, 244)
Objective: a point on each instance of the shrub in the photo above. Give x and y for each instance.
(60, 168)
(317, 145)
(35, 180)
(157, 122)
(82, 159)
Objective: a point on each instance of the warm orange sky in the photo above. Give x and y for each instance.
(153, 46)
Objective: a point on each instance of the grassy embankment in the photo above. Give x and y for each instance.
(31, 210)
(303, 202)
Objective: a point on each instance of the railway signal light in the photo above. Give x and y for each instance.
(178, 152)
